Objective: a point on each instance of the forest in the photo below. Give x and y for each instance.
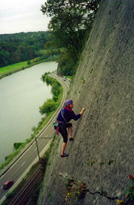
(22, 46)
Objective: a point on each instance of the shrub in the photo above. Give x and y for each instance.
(48, 107)
(17, 145)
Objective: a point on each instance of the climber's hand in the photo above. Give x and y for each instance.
(82, 111)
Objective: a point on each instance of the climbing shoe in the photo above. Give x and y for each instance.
(64, 155)
(71, 139)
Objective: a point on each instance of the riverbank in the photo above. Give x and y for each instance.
(11, 69)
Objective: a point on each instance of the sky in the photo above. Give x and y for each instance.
(22, 16)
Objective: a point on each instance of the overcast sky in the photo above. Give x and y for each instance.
(22, 16)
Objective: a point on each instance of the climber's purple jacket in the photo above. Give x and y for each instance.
(67, 114)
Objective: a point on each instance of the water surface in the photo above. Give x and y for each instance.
(21, 94)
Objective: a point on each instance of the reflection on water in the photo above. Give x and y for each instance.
(21, 94)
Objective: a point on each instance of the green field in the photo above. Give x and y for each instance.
(7, 70)
(13, 67)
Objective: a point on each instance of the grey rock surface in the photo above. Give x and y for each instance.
(102, 154)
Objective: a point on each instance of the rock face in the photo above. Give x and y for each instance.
(102, 154)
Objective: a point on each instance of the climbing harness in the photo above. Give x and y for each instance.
(56, 124)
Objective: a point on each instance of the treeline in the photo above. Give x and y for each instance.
(56, 89)
(71, 21)
(19, 47)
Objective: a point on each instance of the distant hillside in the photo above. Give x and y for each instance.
(102, 154)
(23, 36)
(19, 47)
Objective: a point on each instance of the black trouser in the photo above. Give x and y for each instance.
(63, 130)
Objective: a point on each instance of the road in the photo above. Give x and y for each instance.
(23, 164)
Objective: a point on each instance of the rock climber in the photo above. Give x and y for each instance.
(65, 127)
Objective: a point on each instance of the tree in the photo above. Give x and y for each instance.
(48, 107)
(66, 65)
(70, 19)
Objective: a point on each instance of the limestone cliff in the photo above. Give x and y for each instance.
(102, 154)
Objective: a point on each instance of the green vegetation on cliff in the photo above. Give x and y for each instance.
(70, 22)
